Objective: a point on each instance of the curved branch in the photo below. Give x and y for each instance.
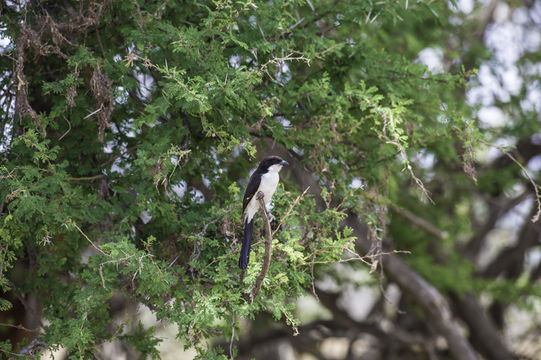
(268, 248)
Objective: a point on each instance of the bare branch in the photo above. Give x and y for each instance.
(420, 222)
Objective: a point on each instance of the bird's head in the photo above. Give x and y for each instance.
(272, 164)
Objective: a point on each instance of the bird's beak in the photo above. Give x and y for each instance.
(284, 163)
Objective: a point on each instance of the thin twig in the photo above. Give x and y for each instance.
(88, 239)
(295, 203)
(357, 257)
(94, 112)
(100, 269)
(292, 323)
(268, 248)
(10, 353)
(420, 222)
(535, 218)
(20, 327)
(67, 131)
(86, 178)
(174, 261)
(537, 215)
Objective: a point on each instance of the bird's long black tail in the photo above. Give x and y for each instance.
(245, 249)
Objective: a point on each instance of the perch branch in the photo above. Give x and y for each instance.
(268, 247)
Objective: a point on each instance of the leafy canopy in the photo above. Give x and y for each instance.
(125, 171)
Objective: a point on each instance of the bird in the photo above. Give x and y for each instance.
(265, 179)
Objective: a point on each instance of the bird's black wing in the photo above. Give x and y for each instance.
(251, 189)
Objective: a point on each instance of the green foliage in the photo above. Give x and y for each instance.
(163, 103)
(143, 341)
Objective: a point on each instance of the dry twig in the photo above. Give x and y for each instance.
(295, 203)
(87, 238)
(535, 218)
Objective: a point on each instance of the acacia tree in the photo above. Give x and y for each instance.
(128, 132)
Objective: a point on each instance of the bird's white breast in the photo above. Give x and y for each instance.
(268, 184)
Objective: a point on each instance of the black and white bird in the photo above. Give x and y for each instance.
(265, 179)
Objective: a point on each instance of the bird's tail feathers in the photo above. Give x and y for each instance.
(245, 249)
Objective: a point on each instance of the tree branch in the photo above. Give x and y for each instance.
(484, 334)
(268, 248)
(419, 222)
